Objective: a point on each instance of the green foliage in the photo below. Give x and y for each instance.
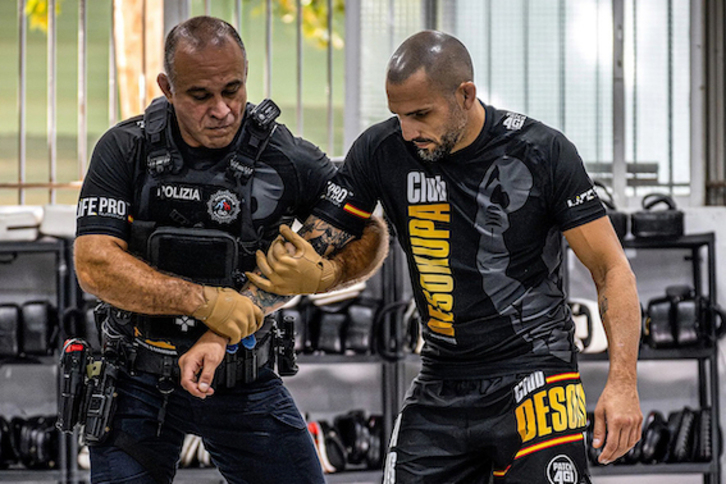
(37, 12)
(314, 17)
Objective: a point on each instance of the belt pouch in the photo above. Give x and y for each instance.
(250, 364)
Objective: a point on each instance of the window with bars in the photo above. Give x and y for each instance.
(550, 59)
(58, 88)
(553, 60)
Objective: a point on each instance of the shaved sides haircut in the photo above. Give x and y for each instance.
(197, 33)
(444, 59)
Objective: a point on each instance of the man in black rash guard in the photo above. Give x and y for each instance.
(480, 199)
(172, 209)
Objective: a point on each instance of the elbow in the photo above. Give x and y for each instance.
(620, 275)
(85, 278)
(92, 262)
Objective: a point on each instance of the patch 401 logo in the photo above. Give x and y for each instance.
(561, 470)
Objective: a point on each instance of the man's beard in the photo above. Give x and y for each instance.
(454, 130)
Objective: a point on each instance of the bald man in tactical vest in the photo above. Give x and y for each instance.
(173, 210)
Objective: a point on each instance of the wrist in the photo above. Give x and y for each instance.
(197, 299)
(332, 272)
(217, 338)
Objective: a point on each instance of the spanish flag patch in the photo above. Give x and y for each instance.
(356, 211)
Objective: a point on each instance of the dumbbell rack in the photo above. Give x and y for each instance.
(9, 252)
(706, 355)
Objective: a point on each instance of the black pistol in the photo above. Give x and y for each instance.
(73, 362)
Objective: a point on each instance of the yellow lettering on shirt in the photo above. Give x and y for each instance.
(429, 238)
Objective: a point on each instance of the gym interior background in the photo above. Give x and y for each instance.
(638, 85)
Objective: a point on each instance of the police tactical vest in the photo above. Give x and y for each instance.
(196, 221)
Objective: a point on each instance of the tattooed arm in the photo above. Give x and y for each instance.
(618, 418)
(317, 259)
(350, 260)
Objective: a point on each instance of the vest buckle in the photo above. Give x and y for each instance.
(240, 170)
(157, 164)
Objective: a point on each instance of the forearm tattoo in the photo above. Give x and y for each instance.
(267, 301)
(325, 239)
(603, 306)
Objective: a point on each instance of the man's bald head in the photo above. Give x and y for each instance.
(444, 59)
(195, 34)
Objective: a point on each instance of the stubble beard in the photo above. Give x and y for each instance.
(452, 135)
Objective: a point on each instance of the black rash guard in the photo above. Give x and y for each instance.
(482, 233)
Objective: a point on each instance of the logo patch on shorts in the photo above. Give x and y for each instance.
(223, 207)
(561, 470)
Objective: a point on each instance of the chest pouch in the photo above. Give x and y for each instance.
(203, 256)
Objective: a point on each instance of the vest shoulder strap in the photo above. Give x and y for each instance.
(256, 134)
(159, 157)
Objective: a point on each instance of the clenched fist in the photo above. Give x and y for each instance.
(229, 313)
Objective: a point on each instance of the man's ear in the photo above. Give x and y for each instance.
(468, 94)
(165, 85)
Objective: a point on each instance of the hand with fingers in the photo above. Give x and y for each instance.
(197, 366)
(618, 420)
(293, 267)
(229, 313)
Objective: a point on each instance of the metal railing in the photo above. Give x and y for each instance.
(22, 185)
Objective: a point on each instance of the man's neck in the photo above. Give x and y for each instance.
(474, 125)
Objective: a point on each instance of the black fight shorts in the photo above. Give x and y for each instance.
(526, 429)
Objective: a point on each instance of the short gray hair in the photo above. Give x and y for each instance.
(198, 32)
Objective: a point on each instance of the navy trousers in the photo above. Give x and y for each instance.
(254, 433)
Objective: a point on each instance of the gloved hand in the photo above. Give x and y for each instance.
(302, 272)
(229, 313)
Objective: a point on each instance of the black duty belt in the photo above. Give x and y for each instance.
(241, 366)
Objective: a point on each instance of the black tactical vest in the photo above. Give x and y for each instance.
(196, 222)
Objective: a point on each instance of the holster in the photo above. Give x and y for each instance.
(88, 392)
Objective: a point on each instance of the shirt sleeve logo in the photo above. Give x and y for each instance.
(582, 198)
(514, 121)
(336, 194)
(102, 207)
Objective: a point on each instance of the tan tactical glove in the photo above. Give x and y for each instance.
(302, 272)
(229, 313)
